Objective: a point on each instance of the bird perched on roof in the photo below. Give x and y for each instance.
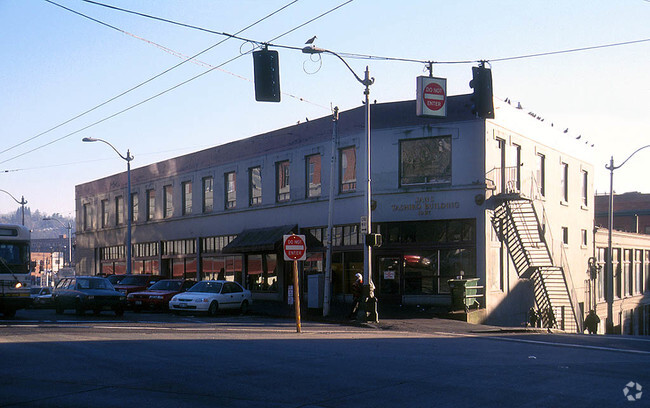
(311, 40)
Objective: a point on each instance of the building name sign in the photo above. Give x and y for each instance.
(425, 205)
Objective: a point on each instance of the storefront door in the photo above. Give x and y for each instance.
(388, 279)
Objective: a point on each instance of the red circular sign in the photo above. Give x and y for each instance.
(434, 96)
(294, 247)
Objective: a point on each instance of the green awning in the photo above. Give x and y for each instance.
(262, 240)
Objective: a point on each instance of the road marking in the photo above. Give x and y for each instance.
(569, 345)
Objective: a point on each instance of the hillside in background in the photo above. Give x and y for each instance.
(40, 228)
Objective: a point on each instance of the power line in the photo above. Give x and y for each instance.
(175, 86)
(140, 84)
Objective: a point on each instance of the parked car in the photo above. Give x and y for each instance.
(136, 283)
(210, 296)
(158, 295)
(41, 296)
(115, 279)
(87, 293)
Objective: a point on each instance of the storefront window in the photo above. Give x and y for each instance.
(344, 267)
(421, 274)
(262, 273)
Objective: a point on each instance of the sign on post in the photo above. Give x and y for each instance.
(295, 249)
(431, 97)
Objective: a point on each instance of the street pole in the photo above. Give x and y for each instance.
(367, 308)
(22, 203)
(330, 215)
(129, 208)
(609, 294)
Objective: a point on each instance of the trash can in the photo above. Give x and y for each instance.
(464, 293)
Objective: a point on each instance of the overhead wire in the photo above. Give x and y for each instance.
(141, 83)
(173, 87)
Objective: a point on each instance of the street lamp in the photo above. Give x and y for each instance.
(128, 159)
(609, 324)
(370, 305)
(22, 202)
(69, 227)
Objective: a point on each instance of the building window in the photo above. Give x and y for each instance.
(602, 266)
(134, 207)
(282, 181)
(231, 189)
(627, 272)
(513, 169)
(313, 171)
(348, 170)
(151, 204)
(104, 213)
(168, 204)
(565, 235)
(87, 224)
(564, 182)
(646, 269)
(425, 161)
(541, 174)
(119, 210)
(255, 186)
(585, 237)
(208, 194)
(638, 271)
(585, 188)
(187, 198)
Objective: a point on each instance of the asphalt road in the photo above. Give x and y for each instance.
(160, 360)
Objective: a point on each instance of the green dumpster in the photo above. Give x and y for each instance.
(464, 293)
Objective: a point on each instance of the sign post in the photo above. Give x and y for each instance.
(295, 250)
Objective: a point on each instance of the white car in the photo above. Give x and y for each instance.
(210, 296)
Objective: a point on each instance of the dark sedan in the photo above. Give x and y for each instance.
(158, 295)
(136, 283)
(83, 293)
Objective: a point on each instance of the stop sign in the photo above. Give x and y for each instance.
(295, 248)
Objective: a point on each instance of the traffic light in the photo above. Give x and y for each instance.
(481, 82)
(267, 75)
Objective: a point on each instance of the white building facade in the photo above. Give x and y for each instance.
(455, 197)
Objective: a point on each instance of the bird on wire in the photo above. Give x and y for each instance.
(311, 40)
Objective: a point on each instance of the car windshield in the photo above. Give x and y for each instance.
(35, 291)
(167, 285)
(94, 283)
(209, 287)
(115, 279)
(136, 280)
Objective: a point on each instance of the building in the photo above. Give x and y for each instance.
(455, 197)
(631, 212)
(631, 281)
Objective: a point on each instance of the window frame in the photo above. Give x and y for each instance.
(430, 178)
(230, 201)
(207, 192)
(186, 198)
(564, 182)
(283, 181)
(151, 204)
(313, 190)
(254, 192)
(347, 185)
(168, 201)
(119, 210)
(135, 202)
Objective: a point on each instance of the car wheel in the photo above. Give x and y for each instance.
(243, 309)
(214, 308)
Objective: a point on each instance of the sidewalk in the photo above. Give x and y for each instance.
(404, 318)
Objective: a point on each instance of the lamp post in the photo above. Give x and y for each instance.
(22, 202)
(129, 208)
(369, 305)
(69, 227)
(609, 324)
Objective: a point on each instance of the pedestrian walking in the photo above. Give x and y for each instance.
(357, 287)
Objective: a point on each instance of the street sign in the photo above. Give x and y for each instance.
(295, 248)
(364, 224)
(431, 97)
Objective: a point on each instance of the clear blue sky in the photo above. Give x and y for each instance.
(57, 64)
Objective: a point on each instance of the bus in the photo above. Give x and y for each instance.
(14, 268)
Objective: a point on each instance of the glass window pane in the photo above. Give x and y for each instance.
(425, 161)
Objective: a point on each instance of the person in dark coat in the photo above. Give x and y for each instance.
(357, 287)
(591, 322)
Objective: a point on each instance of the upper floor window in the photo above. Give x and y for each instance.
(168, 204)
(348, 176)
(425, 161)
(119, 210)
(187, 198)
(541, 174)
(134, 207)
(151, 204)
(86, 215)
(255, 185)
(283, 186)
(585, 188)
(104, 213)
(564, 182)
(231, 189)
(208, 194)
(313, 175)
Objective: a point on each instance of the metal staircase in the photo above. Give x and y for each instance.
(518, 226)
